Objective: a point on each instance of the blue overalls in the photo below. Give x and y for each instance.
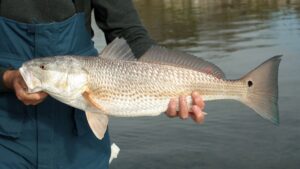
(50, 135)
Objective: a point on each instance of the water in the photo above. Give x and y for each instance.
(237, 36)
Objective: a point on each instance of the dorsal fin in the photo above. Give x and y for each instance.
(158, 54)
(118, 49)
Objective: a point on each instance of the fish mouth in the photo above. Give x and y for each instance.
(33, 84)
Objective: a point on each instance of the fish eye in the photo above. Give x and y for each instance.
(42, 67)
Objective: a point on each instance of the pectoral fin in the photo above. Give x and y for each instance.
(88, 96)
(98, 123)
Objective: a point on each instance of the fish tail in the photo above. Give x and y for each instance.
(262, 84)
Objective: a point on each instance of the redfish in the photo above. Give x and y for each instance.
(117, 84)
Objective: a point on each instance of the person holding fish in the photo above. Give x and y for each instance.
(37, 131)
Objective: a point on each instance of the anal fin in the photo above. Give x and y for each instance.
(98, 123)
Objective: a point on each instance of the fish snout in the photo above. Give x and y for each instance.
(33, 83)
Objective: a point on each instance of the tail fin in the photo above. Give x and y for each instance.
(262, 85)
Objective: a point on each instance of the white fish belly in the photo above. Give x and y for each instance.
(132, 108)
(143, 107)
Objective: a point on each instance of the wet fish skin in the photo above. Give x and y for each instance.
(110, 86)
(126, 88)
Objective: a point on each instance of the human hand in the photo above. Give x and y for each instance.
(13, 80)
(196, 110)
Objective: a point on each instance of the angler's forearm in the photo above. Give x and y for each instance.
(119, 18)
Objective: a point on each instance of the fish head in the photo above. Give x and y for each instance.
(55, 75)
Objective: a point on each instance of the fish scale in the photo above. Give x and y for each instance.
(116, 84)
(130, 84)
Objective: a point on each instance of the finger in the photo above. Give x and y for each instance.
(31, 99)
(20, 92)
(171, 111)
(36, 102)
(39, 97)
(28, 98)
(42, 94)
(183, 108)
(35, 96)
(22, 83)
(197, 115)
(198, 100)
